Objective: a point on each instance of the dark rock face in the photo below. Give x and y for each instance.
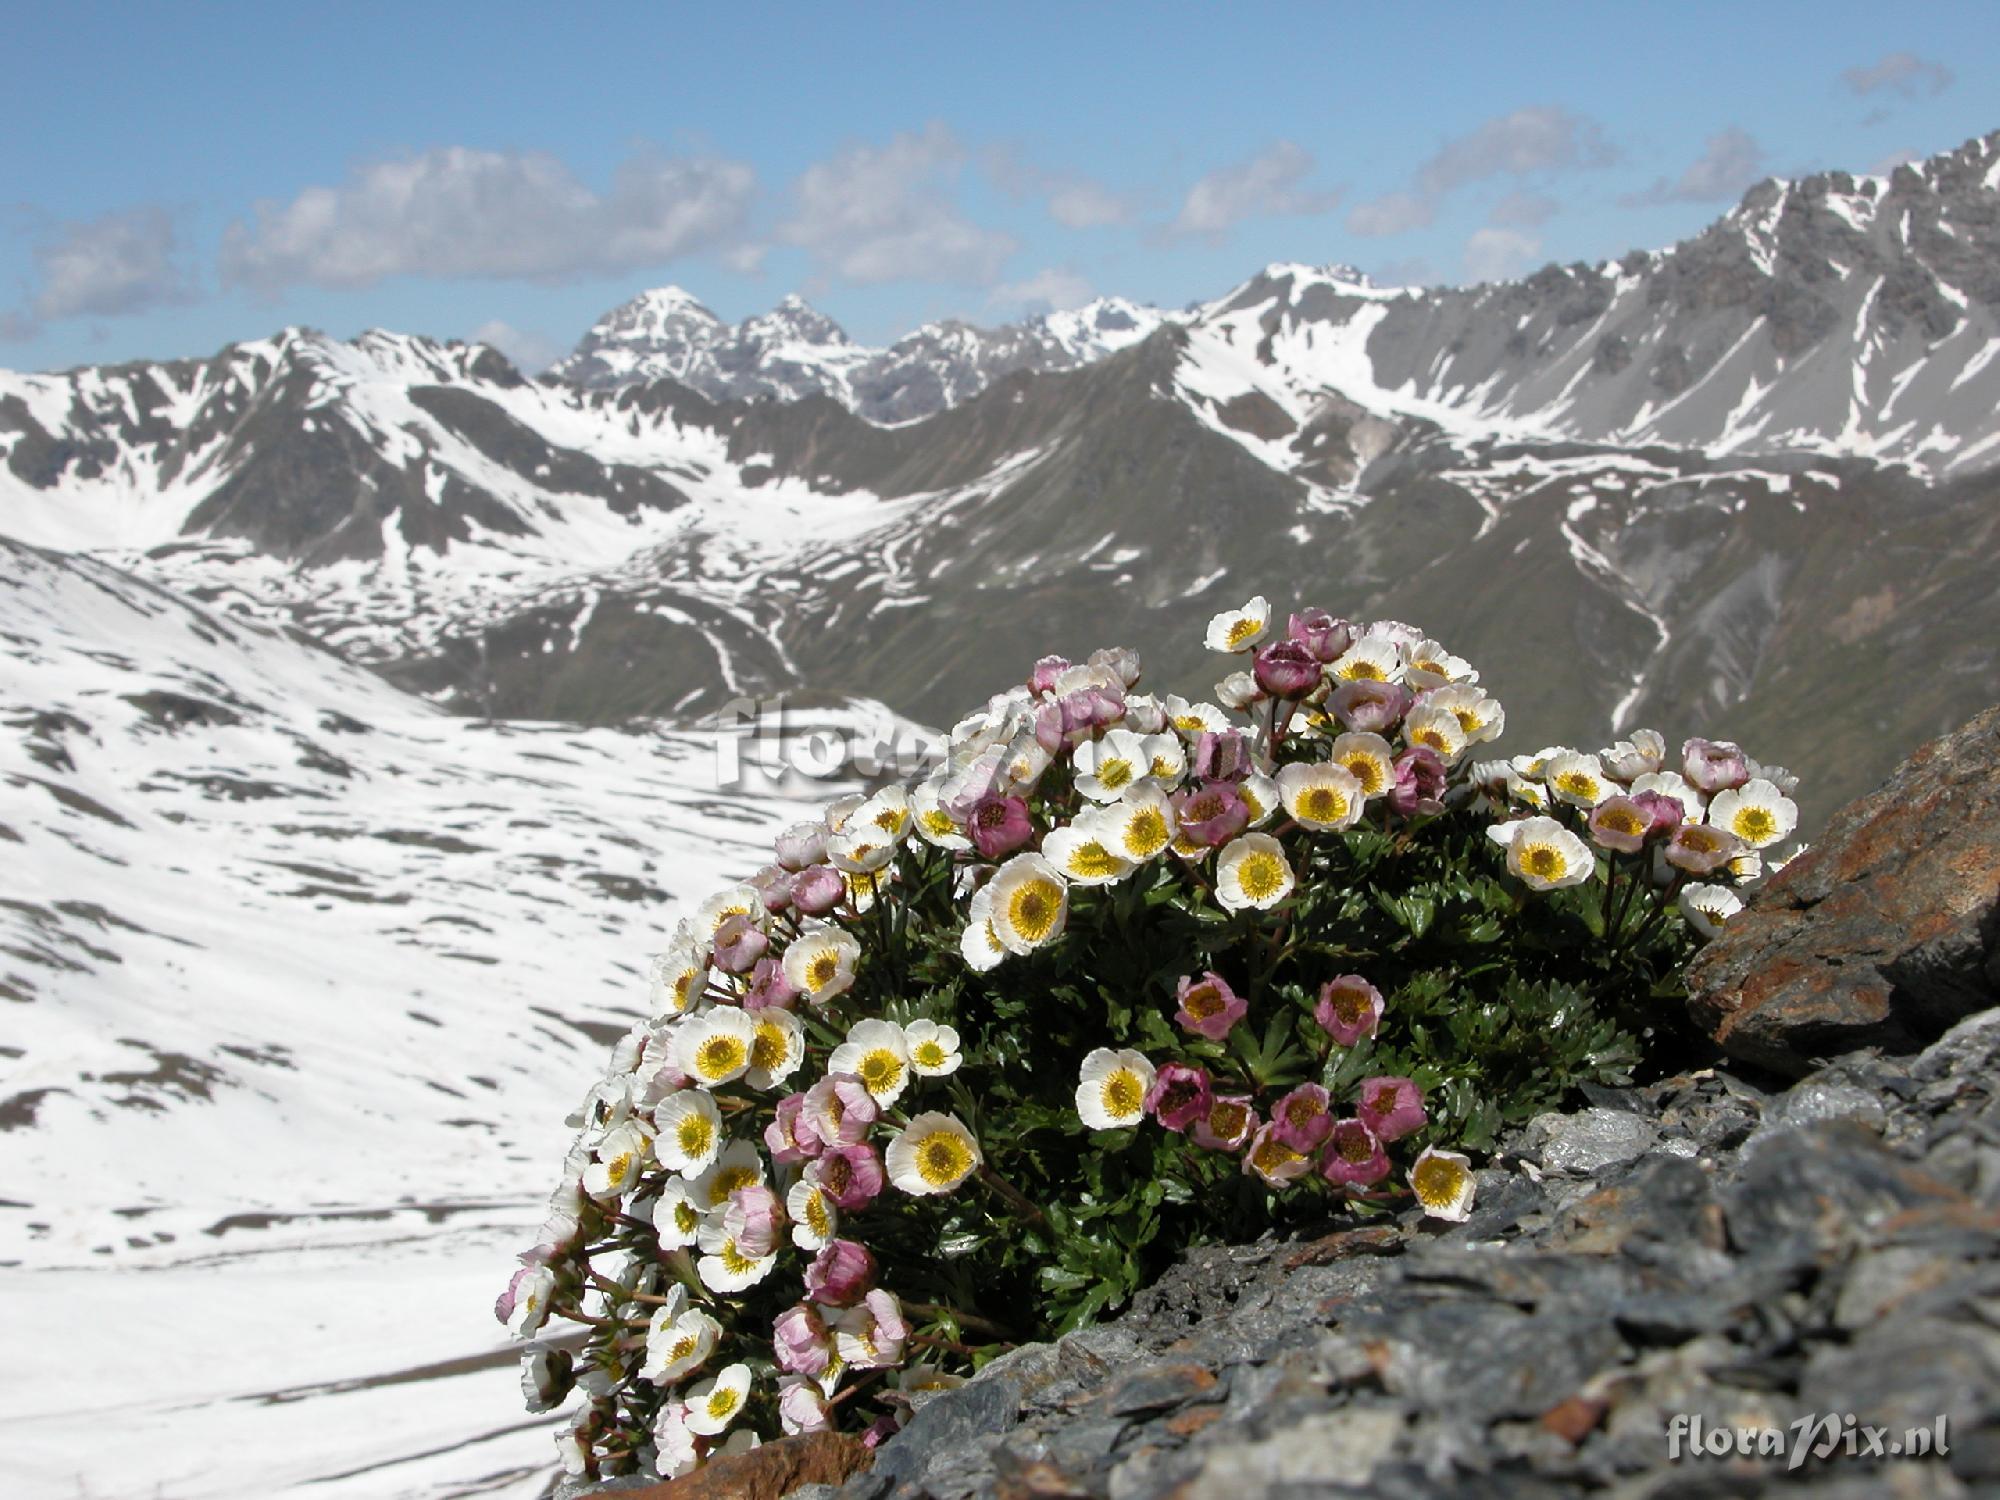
(1884, 933)
(1746, 1258)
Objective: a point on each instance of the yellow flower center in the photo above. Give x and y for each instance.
(1189, 723)
(1351, 1007)
(683, 1348)
(1304, 1108)
(817, 1218)
(929, 1054)
(1385, 1101)
(1426, 664)
(1249, 800)
(1227, 1119)
(682, 984)
(1754, 824)
(1369, 771)
(1354, 1147)
(1261, 874)
(1203, 1001)
(686, 1220)
(889, 820)
(1700, 840)
(619, 1165)
(1094, 859)
(1032, 909)
(1433, 737)
(1467, 719)
(821, 971)
(1363, 671)
(1544, 861)
(734, 1261)
(719, 1056)
(695, 1135)
(1242, 630)
(1272, 1153)
(938, 824)
(1622, 820)
(1323, 804)
(1438, 1182)
(770, 1046)
(1165, 767)
(721, 1402)
(1146, 832)
(1577, 783)
(942, 1157)
(1114, 773)
(1123, 1094)
(880, 1071)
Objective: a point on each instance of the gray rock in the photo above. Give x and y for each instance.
(1590, 1140)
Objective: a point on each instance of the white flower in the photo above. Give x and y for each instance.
(1237, 630)
(1708, 907)
(569, 1447)
(934, 1153)
(979, 944)
(1140, 824)
(777, 1047)
(713, 1048)
(678, 1341)
(1105, 767)
(815, 1218)
(677, 978)
(860, 848)
(1260, 794)
(737, 901)
(1191, 719)
(1577, 779)
(1430, 666)
(1166, 760)
(1480, 718)
(1238, 691)
(1437, 729)
(713, 1405)
(1252, 873)
(1641, 755)
(888, 812)
(689, 1137)
(1021, 768)
(676, 1216)
(1442, 1181)
(621, 1156)
(672, 1442)
(1030, 903)
(875, 1053)
(1373, 658)
(1694, 805)
(1756, 812)
(1321, 796)
(1369, 759)
(1111, 1093)
(933, 1048)
(1543, 853)
(841, 811)
(820, 961)
(933, 824)
(737, 1166)
(1087, 853)
(531, 1303)
(1533, 765)
(723, 1267)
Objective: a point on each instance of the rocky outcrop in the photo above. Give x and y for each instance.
(1699, 1249)
(1882, 934)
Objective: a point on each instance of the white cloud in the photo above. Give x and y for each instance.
(884, 213)
(1729, 162)
(460, 212)
(1539, 138)
(531, 352)
(1902, 73)
(1411, 270)
(1493, 254)
(1893, 160)
(1265, 186)
(1073, 201)
(1051, 290)
(1524, 210)
(121, 263)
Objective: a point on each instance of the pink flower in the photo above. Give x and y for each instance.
(1221, 755)
(871, 1336)
(801, 1407)
(1208, 1006)
(1180, 1095)
(738, 944)
(1230, 1123)
(1047, 670)
(1286, 669)
(1664, 814)
(1349, 1009)
(881, 1430)
(1419, 788)
(1121, 662)
(789, 1139)
(774, 887)
(754, 1219)
(850, 1175)
(1370, 707)
(801, 845)
(1273, 1158)
(1301, 1117)
(1213, 815)
(818, 889)
(800, 1341)
(1390, 1107)
(1326, 637)
(1354, 1156)
(1049, 732)
(1699, 848)
(840, 1274)
(769, 989)
(1620, 823)
(1714, 765)
(839, 1109)
(999, 825)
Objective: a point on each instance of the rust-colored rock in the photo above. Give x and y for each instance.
(1883, 934)
(1572, 1419)
(767, 1472)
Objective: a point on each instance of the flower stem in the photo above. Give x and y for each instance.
(964, 1319)
(1013, 1195)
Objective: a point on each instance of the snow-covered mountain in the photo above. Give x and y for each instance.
(300, 977)
(794, 351)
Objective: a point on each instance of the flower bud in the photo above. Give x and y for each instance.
(1370, 707)
(1180, 1095)
(1320, 633)
(802, 844)
(999, 825)
(1714, 765)
(800, 1341)
(818, 889)
(1286, 669)
(840, 1274)
(739, 944)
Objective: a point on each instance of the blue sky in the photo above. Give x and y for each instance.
(179, 176)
